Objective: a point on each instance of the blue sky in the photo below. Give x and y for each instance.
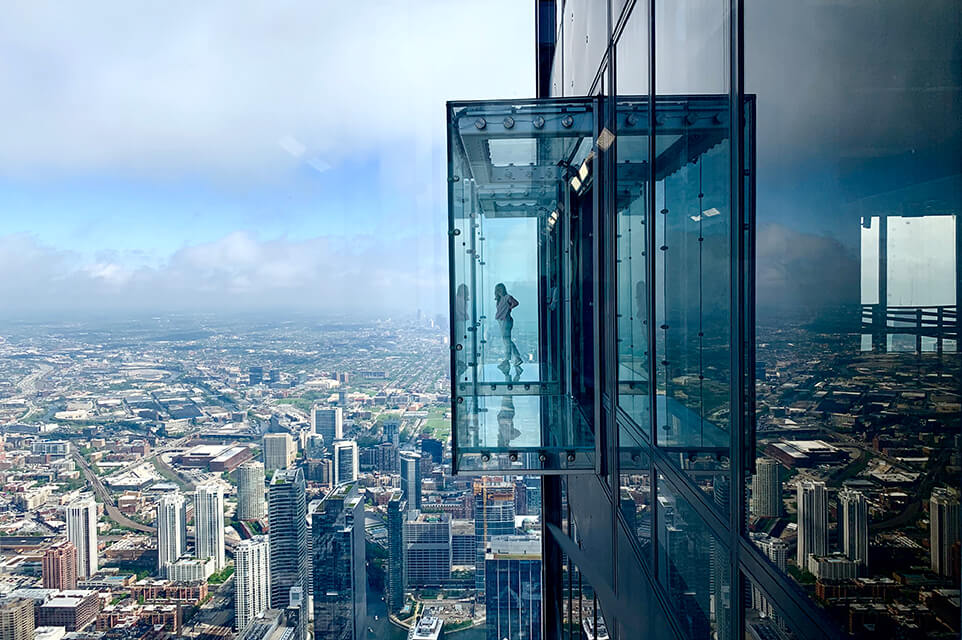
(239, 155)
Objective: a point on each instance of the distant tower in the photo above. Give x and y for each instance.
(252, 580)
(766, 489)
(410, 462)
(493, 516)
(82, 532)
(60, 566)
(943, 529)
(853, 526)
(812, 521)
(513, 591)
(340, 591)
(171, 530)
(251, 504)
(287, 518)
(345, 461)
(329, 423)
(279, 451)
(396, 509)
(209, 523)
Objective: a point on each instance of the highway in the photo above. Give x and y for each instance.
(111, 507)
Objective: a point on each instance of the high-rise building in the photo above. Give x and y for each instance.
(328, 422)
(853, 526)
(776, 550)
(279, 451)
(812, 507)
(943, 529)
(340, 591)
(410, 462)
(766, 489)
(60, 566)
(16, 618)
(668, 335)
(493, 516)
(314, 446)
(512, 592)
(209, 523)
(346, 463)
(395, 582)
(171, 530)
(251, 504)
(464, 546)
(251, 580)
(427, 549)
(287, 518)
(82, 532)
(386, 458)
(392, 431)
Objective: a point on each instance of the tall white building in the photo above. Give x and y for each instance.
(209, 523)
(777, 551)
(251, 580)
(812, 521)
(345, 461)
(766, 489)
(853, 526)
(171, 530)
(279, 451)
(410, 463)
(250, 491)
(943, 528)
(329, 423)
(82, 532)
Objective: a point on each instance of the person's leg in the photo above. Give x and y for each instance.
(510, 348)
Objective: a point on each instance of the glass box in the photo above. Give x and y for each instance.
(516, 170)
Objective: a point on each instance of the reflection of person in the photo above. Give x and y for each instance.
(506, 429)
(505, 303)
(460, 326)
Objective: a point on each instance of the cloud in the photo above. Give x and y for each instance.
(245, 90)
(238, 272)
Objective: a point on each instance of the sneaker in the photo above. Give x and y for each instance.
(504, 366)
(517, 361)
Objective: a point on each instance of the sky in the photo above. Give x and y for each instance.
(238, 156)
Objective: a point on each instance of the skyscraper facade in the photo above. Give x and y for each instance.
(427, 549)
(279, 451)
(395, 579)
(209, 523)
(513, 588)
(171, 530)
(812, 507)
(766, 489)
(60, 566)
(287, 518)
(82, 532)
(943, 529)
(251, 504)
(340, 589)
(410, 462)
(493, 516)
(346, 462)
(853, 526)
(716, 257)
(252, 580)
(328, 422)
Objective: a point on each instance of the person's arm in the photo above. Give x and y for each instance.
(512, 303)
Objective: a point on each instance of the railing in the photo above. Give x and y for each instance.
(938, 322)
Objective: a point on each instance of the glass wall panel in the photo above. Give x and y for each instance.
(631, 54)
(858, 372)
(693, 567)
(516, 171)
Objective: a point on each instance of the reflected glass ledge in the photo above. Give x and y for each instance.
(523, 434)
